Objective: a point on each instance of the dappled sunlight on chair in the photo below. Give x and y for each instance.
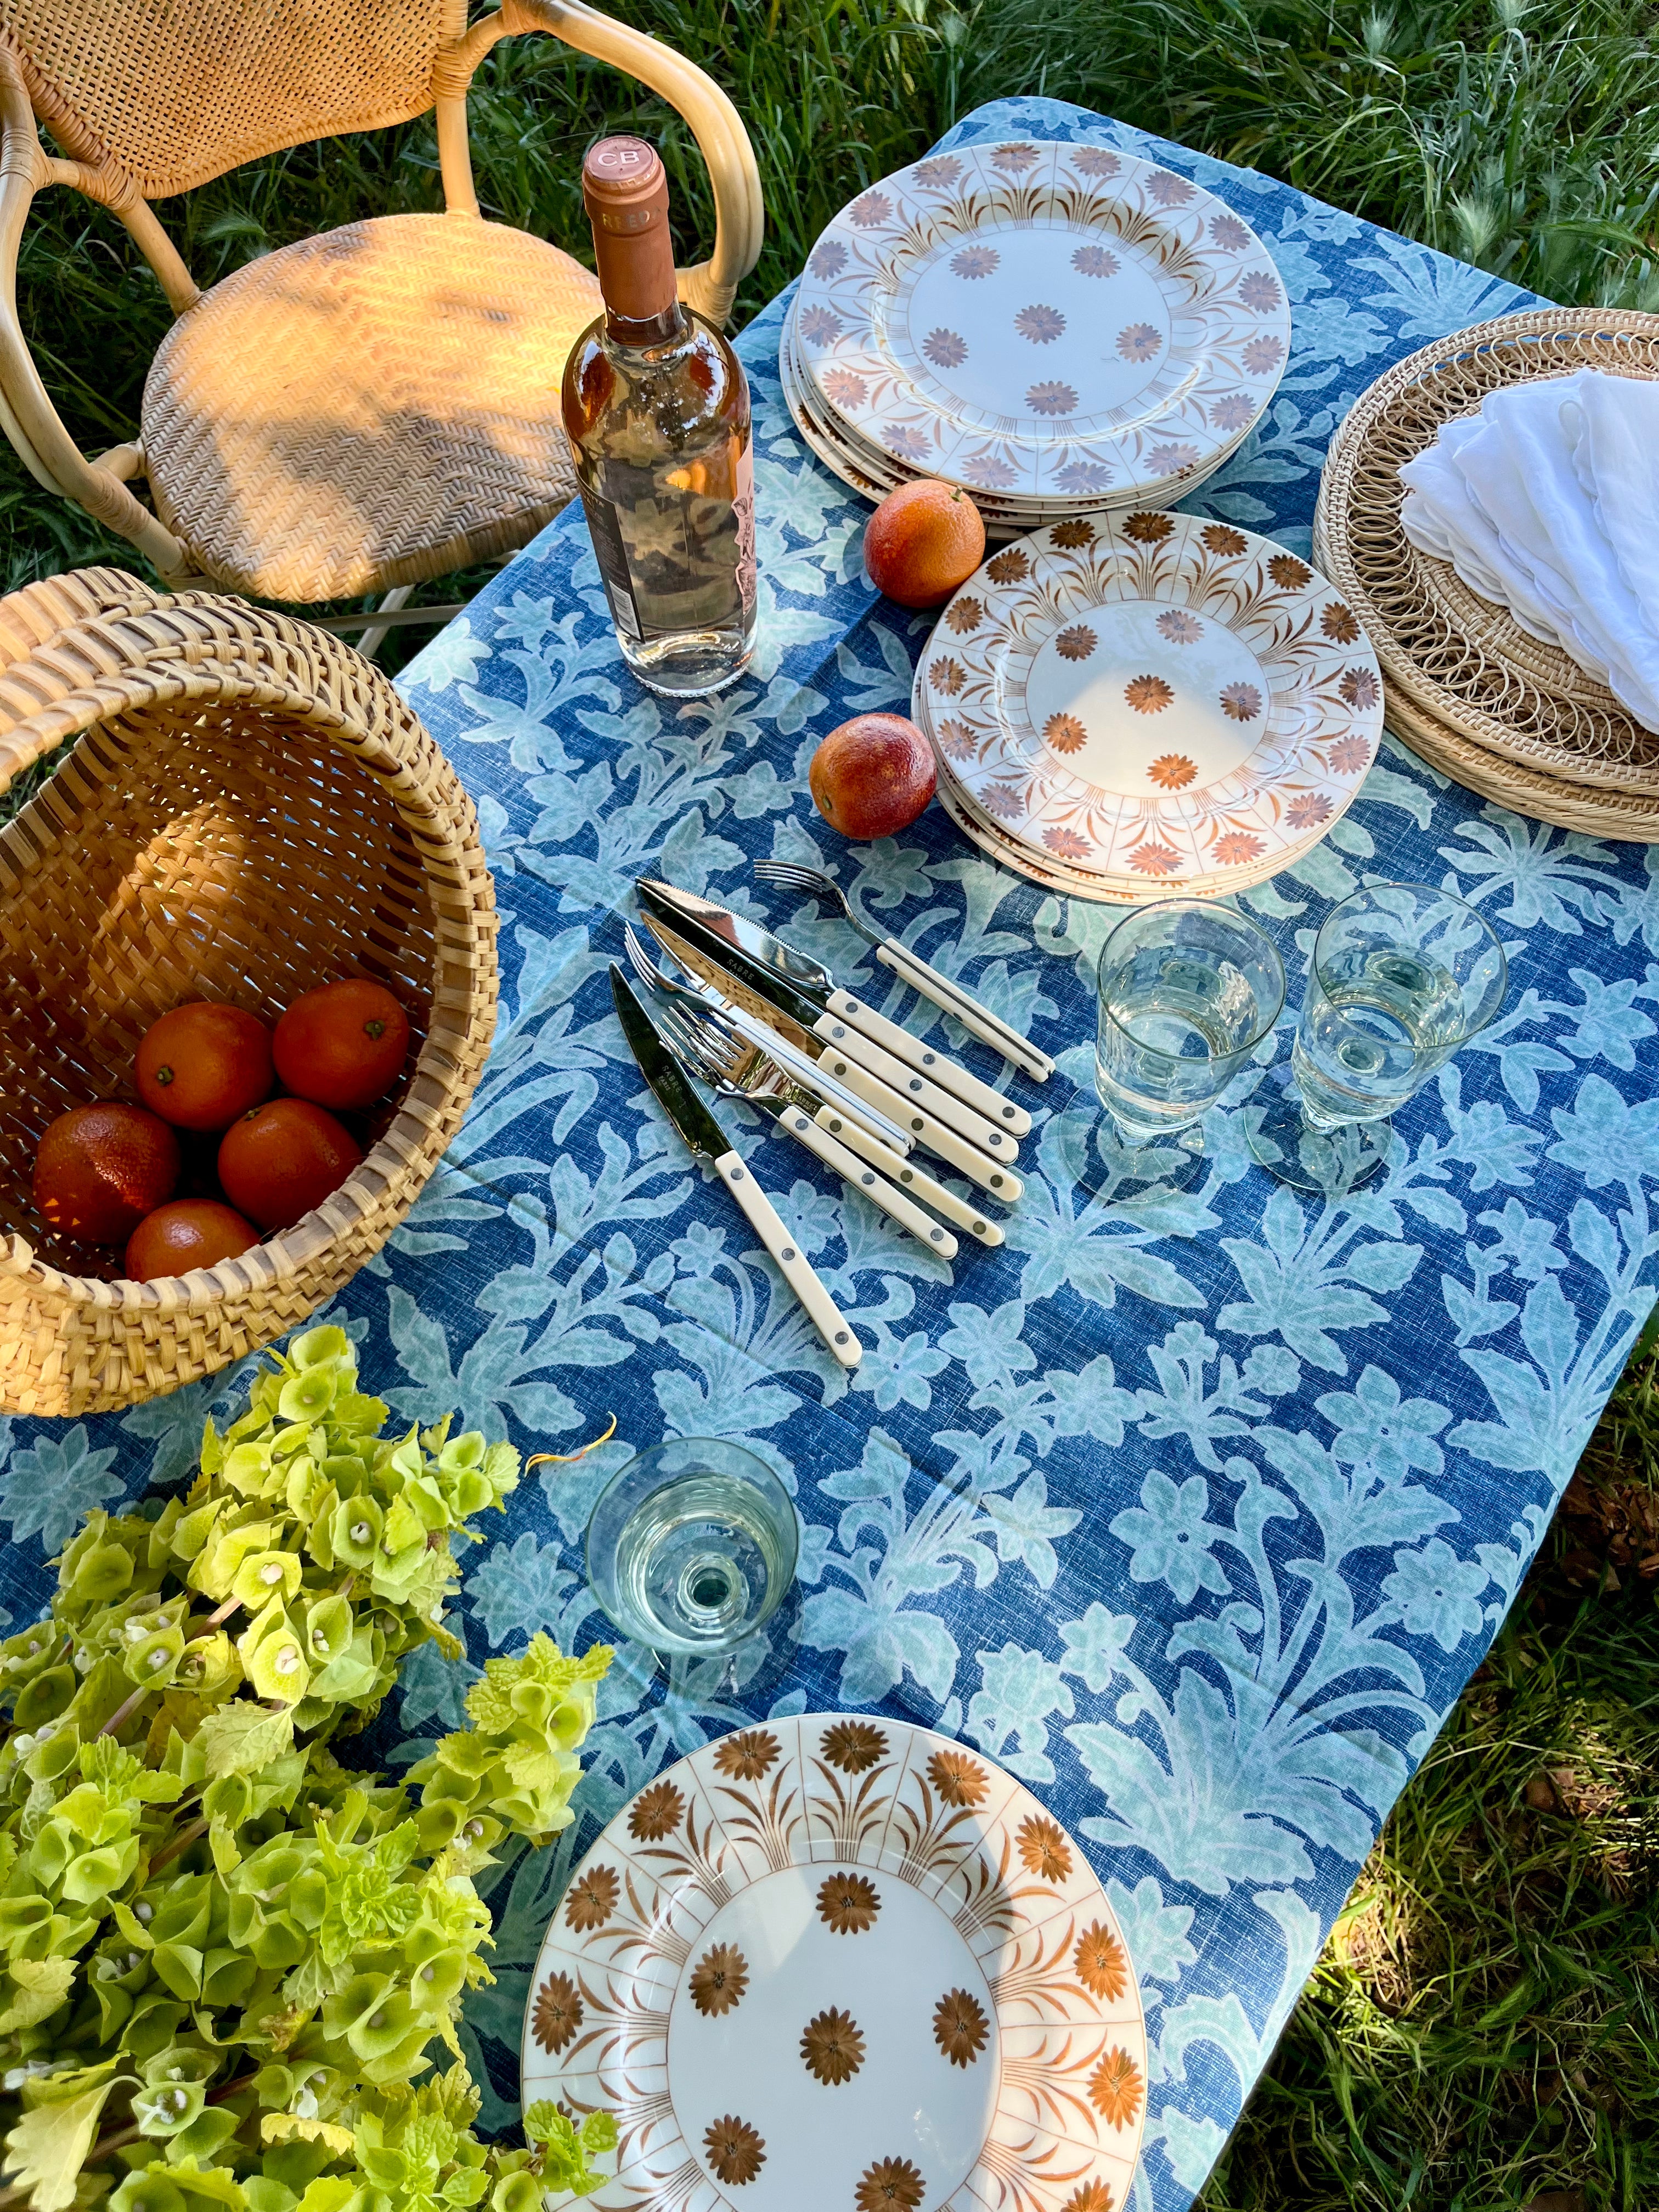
(360, 411)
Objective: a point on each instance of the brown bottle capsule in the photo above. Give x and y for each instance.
(625, 191)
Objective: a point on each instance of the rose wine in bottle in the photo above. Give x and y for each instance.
(656, 409)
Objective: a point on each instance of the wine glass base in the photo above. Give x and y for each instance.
(1132, 1171)
(1281, 1141)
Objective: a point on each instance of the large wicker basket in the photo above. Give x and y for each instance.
(249, 809)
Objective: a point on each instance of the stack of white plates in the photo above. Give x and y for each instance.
(1134, 706)
(1061, 330)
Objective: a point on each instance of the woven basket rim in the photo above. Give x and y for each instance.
(141, 685)
(1339, 521)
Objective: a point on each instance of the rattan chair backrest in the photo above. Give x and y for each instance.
(175, 92)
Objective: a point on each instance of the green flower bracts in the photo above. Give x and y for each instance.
(228, 1962)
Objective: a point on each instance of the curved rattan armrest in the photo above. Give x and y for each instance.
(739, 214)
(26, 414)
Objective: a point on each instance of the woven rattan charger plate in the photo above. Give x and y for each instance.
(1463, 678)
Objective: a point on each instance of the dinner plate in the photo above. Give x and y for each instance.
(1153, 696)
(1047, 320)
(1041, 868)
(1067, 878)
(842, 1965)
(875, 473)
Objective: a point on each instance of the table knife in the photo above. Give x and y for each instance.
(833, 1016)
(760, 992)
(759, 944)
(703, 1134)
(797, 1051)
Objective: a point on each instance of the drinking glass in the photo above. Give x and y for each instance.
(1403, 976)
(691, 1546)
(1188, 991)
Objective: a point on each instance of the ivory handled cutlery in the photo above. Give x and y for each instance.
(760, 992)
(752, 947)
(946, 993)
(694, 1122)
(717, 1056)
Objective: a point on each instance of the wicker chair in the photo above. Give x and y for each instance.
(364, 409)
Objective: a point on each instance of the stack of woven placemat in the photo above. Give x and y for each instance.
(1465, 686)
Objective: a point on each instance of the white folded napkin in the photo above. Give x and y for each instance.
(1544, 500)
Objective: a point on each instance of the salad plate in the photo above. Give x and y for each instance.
(1153, 698)
(835, 1964)
(1046, 321)
(1067, 878)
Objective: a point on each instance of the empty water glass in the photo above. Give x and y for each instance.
(1188, 991)
(1403, 976)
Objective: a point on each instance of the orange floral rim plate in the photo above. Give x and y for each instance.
(875, 473)
(1051, 320)
(841, 1964)
(1153, 699)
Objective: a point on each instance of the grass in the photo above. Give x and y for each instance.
(1483, 2031)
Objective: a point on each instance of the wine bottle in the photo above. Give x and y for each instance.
(656, 408)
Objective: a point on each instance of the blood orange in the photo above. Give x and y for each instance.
(202, 1065)
(924, 540)
(281, 1159)
(343, 1045)
(101, 1168)
(191, 1232)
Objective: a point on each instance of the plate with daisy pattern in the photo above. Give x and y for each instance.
(840, 1965)
(1154, 697)
(1066, 878)
(1043, 320)
(875, 473)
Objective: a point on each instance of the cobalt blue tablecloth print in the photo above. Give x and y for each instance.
(1197, 1513)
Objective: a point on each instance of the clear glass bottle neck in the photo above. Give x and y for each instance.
(655, 330)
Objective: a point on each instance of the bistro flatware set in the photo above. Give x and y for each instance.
(760, 1022)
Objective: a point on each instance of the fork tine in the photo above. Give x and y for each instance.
(787, 873)
(639, 959)
(716, 1041)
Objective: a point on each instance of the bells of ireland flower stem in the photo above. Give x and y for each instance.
(45, 1698)
(148, 2190)
(354, 1531)
(517, 2192)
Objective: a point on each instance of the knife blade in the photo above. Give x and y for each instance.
(797, 1050)
(753, 943)
(695, 1123)
(836, 1017)
(777, 1003)
(674, 1094)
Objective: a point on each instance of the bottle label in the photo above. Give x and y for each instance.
(743, 507)
(604, 528)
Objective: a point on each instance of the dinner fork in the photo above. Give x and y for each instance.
(948, 996)
(801, 1066)
(729, 1065)
(736, 1067)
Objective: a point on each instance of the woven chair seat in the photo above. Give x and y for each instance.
(372, 407)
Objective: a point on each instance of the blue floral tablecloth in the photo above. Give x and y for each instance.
(1196, 1513)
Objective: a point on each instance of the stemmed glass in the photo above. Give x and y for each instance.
(691, 1548)
(1188, 991)
(1403, 976)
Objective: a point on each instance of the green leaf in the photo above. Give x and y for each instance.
(38, 1987)
(46, 2150)
(242, 1737)
(211, 2184)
